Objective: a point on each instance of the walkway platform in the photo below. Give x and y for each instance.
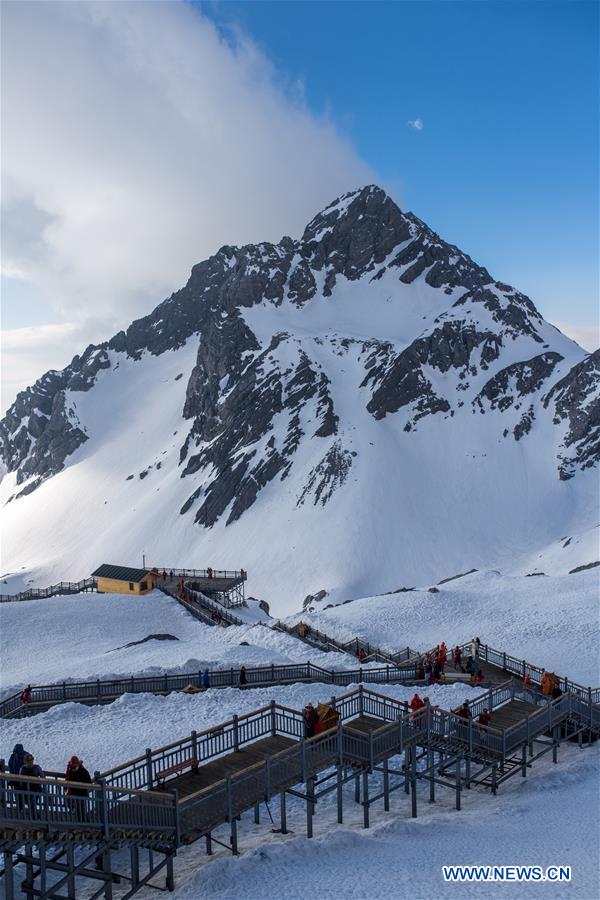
(261, 755)
(214, 772)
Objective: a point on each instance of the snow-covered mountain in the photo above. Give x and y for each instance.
(357, 410)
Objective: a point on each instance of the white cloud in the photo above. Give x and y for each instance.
(417, 124)
(136, 141)
(587, 336)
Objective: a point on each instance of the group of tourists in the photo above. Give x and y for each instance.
(418, 703)
(28, 793)
(432, 667)
(464, 711)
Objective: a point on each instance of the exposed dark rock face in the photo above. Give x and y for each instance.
(223, 431)
(403, 381)
(508, 386)
(41, 429)
(514, 312)
(576, 399)
(327, 475)
(445, 265)
(251, 401)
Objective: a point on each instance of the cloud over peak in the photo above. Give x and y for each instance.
(136, 141)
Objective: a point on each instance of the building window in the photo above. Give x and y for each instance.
(144, 586)
(131, 588)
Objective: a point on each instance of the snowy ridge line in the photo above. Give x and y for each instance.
(63, 587)
(106, 690)
(317, 638)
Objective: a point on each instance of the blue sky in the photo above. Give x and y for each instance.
(138, 137)
(506, 163)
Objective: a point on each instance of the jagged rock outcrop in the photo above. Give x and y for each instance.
(576, 400)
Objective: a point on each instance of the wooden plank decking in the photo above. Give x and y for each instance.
(365, 724)
(511, 713)
(232, 763)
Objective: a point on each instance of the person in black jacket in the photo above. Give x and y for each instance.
(76, 796)
(311, 717)
(243, 678)
(30, 791)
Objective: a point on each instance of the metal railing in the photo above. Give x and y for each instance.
(229, 574)
(122, 799)
(195, 597)
(521, 668)
(27, 803)
(99, 690)
(63, 587)
(315, 637)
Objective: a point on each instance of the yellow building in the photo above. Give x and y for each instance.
(122, 580)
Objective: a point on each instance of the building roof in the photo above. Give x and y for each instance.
(121, 573)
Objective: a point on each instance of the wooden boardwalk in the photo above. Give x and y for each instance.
(259, 755)
(231, 764)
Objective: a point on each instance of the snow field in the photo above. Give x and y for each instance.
(78, 637)
(550, 621)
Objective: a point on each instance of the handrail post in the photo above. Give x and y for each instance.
(194, 737)
(360, 698)
(273, 718)
(105, 825)
(177, 822)
(149, 775)
(236, 734)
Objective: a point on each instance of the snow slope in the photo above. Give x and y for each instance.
(550, 621)
(82, 636)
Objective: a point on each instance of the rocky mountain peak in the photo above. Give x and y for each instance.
(437, 338)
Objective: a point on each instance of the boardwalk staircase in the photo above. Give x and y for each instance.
(198, 604)
(186, 790)
(324, 642)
